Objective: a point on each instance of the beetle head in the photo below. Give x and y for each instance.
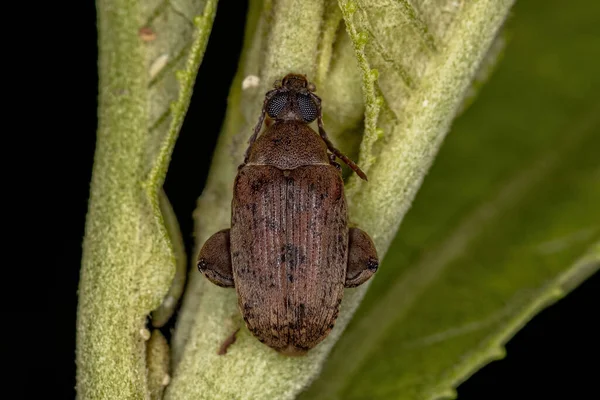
(292, 99)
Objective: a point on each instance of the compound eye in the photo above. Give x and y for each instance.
(308, 108)
(277, 104)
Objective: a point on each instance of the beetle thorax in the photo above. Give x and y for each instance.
(289, 144)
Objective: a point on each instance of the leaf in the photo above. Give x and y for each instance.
(157, 359)
(400, 140)
(149, 56)
(506, 223)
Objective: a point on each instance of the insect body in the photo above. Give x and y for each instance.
(289, 252)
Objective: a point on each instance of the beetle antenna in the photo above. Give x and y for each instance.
(330, 145)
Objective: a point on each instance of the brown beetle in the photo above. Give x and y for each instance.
(289, 252)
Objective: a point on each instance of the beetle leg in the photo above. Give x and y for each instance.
(332, 161)
(214, 260)
(227, 342)
(330, 145)
(259, 124)
(362, 258)
(255, 134)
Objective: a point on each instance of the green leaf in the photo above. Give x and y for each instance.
(149, 56)
(425, 57)
(506, 223)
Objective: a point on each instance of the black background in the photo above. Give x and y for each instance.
(554, 356)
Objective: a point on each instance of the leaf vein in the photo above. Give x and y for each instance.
(418, 23)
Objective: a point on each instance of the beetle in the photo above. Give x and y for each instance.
(289, 252)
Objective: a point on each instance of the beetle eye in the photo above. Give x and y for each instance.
(308, 108)
(277, 104)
